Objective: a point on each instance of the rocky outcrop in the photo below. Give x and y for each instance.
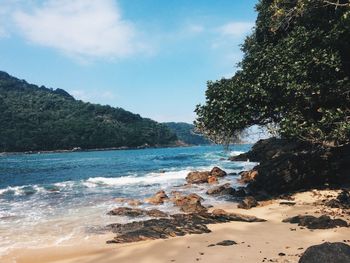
(129, 201)
(224, 189)
(312, 222)
(135, 212)
(327, 252)
(158, 198)
(189, 203)
(287, 166)
(248, 203)
(205, 177)
(176, 225)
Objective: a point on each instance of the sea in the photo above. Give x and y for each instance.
(47, 199)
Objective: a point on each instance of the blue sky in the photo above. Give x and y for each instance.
(152, 57)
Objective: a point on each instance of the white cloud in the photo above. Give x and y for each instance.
(80, 28)
(236, 29)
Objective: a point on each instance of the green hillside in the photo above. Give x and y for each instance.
(185, 133)
(37, 118)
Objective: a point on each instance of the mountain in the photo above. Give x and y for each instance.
(185, 133)
(38, 118)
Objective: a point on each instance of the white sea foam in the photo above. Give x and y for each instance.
(236, 153)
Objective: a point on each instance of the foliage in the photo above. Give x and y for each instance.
(185, 132)
(294, 75)
(38, 118)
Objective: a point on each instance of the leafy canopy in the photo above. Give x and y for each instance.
(294, 75)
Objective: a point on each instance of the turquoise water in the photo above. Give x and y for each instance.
(54, 196)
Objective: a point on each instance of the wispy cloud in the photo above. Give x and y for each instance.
(85, 29)
(235, 29)
(105, 96)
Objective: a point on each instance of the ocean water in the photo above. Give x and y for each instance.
(48, 199)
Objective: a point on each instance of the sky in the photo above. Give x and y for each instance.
(151, 57)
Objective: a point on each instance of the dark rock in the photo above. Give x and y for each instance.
(217, 172)
(176, 225)
(135, 212)
(226, 243)
(288, 203)
(190, 203)
(224, 189)
(312, 222)
(248, 203)
(342, 201)
(327, 253)
(240, 192)
(158, 198)
(298, 166)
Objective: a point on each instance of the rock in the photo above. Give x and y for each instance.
(224, 189)
(158, 198)
(197, 177)
(135, 212)
(289, 165)
(312, 222)
(248, 176)
(236, 216)
(190, 203)
(212, 179)
(131, 202)
(287, 203)
(327, 252)
(176, 225)
(217, 172)
(342, 201)
(205, 177)
(226, 243)
(248, 203)
(240, 192)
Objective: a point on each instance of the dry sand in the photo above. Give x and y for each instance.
(256, 242)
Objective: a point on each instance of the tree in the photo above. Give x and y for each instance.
(294, 74)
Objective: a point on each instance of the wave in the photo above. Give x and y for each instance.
(151, 178)
(236, 153)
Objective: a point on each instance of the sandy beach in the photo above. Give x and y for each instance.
(270, 241)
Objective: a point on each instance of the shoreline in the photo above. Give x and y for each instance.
(270, 241)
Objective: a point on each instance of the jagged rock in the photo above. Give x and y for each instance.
(158, 198)
(190, 203)
(212, 179)
(248, 176)
(176, 225)
(197, 177)
(312, 222)
(135, 212)
(342, 201)
(327, 252)
(240, 192)
(248, 203)
(236, 216)
(217, 172)
(224, 189)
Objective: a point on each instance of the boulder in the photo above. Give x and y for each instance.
(312, 222)
(248, 202)
(212, 179)
(158, 198)
(224, 189)
(190, 203)
(342, 201)
(327, 252)
(217, 172)
(248, 176)
(197, 177)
